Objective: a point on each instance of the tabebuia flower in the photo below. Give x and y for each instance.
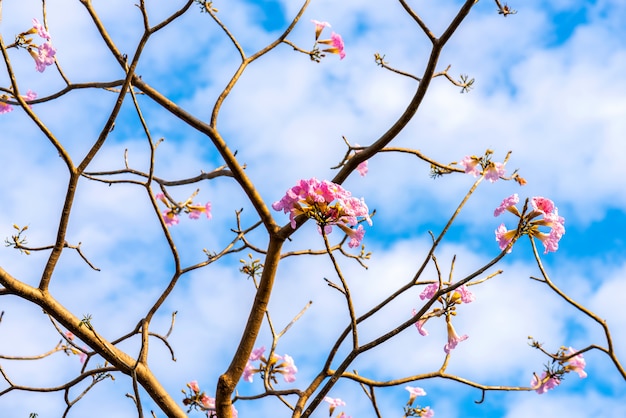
(199, 400)
(170, 215)
(283, 365)
(328, 204)
(6, 107)
(453, 337)
(544, 383)
(42, 54)
(336, 45)
(418, 411)
(576, 364)
(319, 27)
(333, 403)
(483, 165)
(531, 222)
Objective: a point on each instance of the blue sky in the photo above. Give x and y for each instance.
(549, 87)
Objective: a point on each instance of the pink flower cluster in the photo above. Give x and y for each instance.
(283, 365)
(549, 380)
(170, 215)
(541, 207)
(328, 204)
(478, 165)
(44, 53)
(6, 108)
(460, 295)
(335, 42)
(199, 400)
(71, 349)
(414, 392)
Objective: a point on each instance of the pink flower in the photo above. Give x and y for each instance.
(248, 372)
(576, 364)
(207, 401)
(319, 27)
(197, 209)
(328, 204)
(334, 403)
(465, 294)
(471, 164)
(494, 171)
(543, 205)
(420, 325)
(288, 368)
(30, 95)
(429, 291)
(362, 168)
(193, 385)
(544, 383)
(5, 107)
(414, 392)
(41, 31)
(343, 415)
(507, 204)
(45, 56)
(69, 335)
(336, 45)
(427, 412)
(257, 353)
(504, 237)
(453, 338)
(170, 217)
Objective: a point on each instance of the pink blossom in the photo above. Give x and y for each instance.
(544, 383)
(506, 204)
(429, 291)
(170, 217)
(343, 415)
(334, 403)
(504, 237)
(319, 27)
(257, 353)
(414, 392)
(465, 294)
(207, 401)
(336, 45)
(30, 95)
(328, 204)
(5, 107)
(543, 205)
(576, 364)
(427, 412)
(41, 31)
(193, 385)
(362, 168)
(69, 335)
(197, 209)
(420, 325)
(248, 372)
(453, 338)
(471, 164)
(45, 56)
(494, 171)
(288, 368)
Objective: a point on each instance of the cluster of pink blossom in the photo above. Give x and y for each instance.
(42, 54)
(333, 404)
(328, 204)
(335, 42)
(483, 165)
(6, 107)
(551, 379)
(276, 364)
(460, 295)
(170, 215)
(362, 168)
(425, 412)
(541, 207)
(197, 399)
